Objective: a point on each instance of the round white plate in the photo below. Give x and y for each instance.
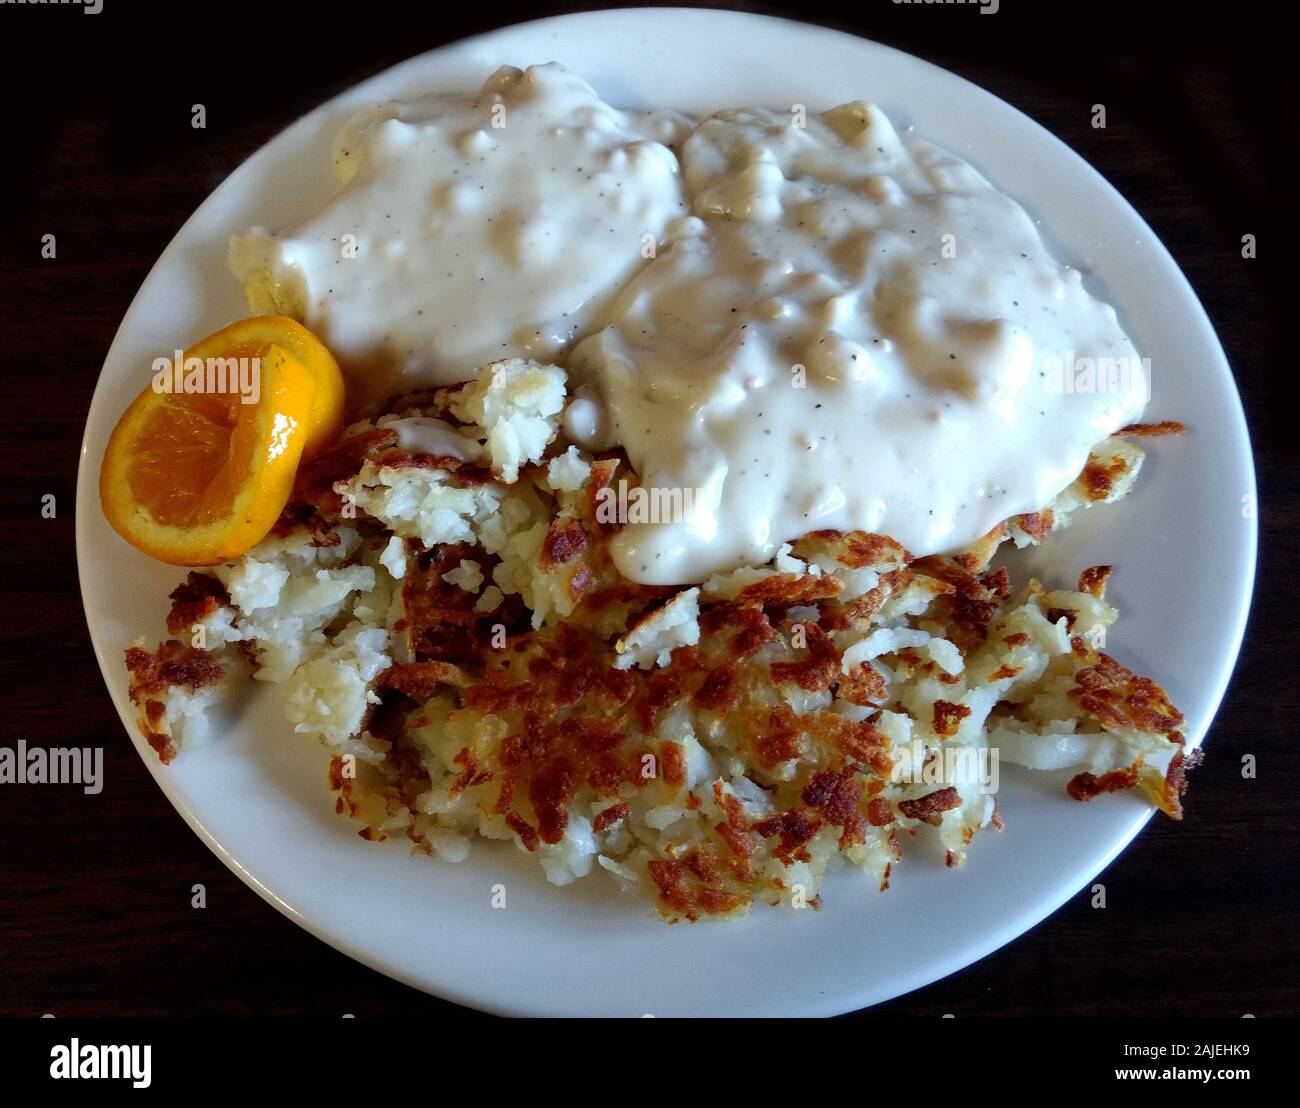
(1182, 544)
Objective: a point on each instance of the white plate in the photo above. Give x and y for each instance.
(1182, 546)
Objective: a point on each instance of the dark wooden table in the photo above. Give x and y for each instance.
(95, 915)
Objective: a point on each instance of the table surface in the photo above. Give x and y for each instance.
(95, 915)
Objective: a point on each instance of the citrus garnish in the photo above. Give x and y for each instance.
(202, 463)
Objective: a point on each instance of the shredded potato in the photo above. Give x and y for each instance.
(458, 636)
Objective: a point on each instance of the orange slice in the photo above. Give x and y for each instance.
(202, 463)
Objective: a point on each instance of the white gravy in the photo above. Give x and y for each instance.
(816, 358)
(483, 227)
(424, 435)
(841, 326)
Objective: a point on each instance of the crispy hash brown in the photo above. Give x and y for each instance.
(453, 628)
